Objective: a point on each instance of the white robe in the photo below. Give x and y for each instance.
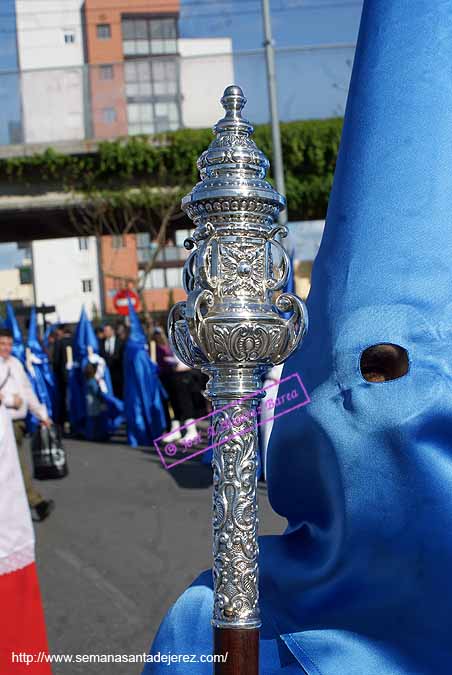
(16, 529)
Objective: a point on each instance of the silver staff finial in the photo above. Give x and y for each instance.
(233, 102)
(231, 329)
(233, 169)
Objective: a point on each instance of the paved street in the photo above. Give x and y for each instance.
(126, 538)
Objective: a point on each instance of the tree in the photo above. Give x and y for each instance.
(130, 211)
(170, 298)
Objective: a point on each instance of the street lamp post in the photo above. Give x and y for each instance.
(278, 163)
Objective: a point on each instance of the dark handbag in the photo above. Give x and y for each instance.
(49, 456)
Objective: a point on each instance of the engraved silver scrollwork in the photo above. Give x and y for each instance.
(181, 340)
(234, 330)
(235, 521)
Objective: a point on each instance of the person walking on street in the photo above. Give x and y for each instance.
(22, 621)
(63, 343)
(177, 379)
(17, 384)
(112, 350)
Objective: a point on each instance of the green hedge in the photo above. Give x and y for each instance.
(309, 148)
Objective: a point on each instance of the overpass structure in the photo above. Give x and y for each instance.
(41, 209)
(38, 210)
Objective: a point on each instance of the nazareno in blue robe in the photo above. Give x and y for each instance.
(85, 348)
(40, 374)
(360, 582)
(143, 392)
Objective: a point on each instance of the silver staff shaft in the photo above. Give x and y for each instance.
(230, 328)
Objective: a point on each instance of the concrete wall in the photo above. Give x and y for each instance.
(59, 269)
(41, 29)
(206, 68)
(49, 36)
(52, 105)
(12, 289)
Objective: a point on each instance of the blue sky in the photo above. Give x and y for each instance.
(10, 256)
(294, 22)
(9, 84)
(8, 52)
(310, 84)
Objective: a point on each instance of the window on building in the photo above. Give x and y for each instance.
(145, 247)
(106, 72)
(117, 241)
(156, 279)
(166, 116)
(103, 31)
(174, 277)
(109, 115)
(152, 117)
(143, 239)
(165, 77)
(168, 254)
(25, 275)
(146, 36)
(181, 236)
(151, 78)
(138, 78)
(87, 285)
(170, 277)
(83, 243)
(69, 37)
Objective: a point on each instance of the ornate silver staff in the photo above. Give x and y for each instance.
(231, 330)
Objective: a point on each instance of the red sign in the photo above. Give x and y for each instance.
(121, 302)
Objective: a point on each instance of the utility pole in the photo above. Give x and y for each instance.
(278, 166)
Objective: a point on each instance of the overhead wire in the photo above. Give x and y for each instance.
(228, 7)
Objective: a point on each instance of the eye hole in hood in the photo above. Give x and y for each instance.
(383, 362)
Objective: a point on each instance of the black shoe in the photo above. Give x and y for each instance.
(44, 508)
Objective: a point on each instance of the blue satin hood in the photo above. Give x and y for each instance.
(359, 584)
(12, 324)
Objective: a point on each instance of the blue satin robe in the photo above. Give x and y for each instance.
(360, 582)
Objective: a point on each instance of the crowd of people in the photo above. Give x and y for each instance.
(91, 383)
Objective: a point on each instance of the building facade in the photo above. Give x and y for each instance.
(51, 58)
(93, 69)
(119, 267)
(124, 263)
(66, 274)
(74, 272)
(96, 69)
(163, 284)
(15, 287)
(206, 66)
(133, 54)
